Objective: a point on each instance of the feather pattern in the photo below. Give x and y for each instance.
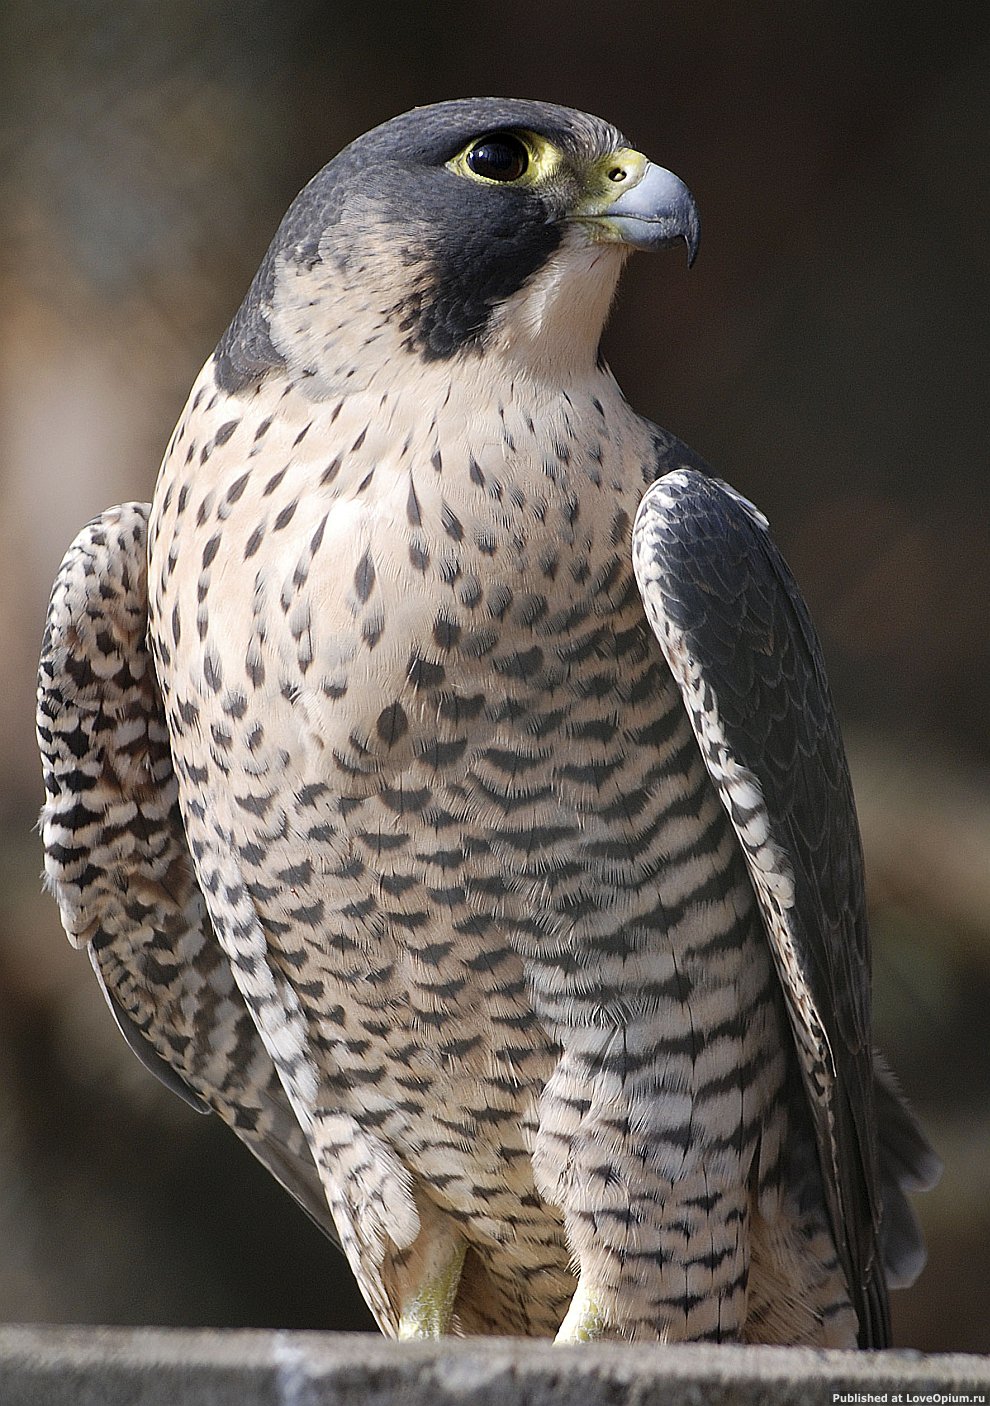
(117, 862)
(738, 638)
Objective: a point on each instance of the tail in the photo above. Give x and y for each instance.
(907, 1163)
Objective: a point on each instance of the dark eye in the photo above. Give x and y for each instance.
(500, 158)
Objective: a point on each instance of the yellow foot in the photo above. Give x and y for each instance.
(427, 1314)
(585, 1319)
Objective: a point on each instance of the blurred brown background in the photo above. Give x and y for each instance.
(828, 354)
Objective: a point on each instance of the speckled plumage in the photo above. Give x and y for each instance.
(535, 928)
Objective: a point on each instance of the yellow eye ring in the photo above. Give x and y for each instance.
(506, 158)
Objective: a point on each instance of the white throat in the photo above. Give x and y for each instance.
(552, 326)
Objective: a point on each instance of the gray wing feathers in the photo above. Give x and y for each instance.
(738, 638)
(117, 862)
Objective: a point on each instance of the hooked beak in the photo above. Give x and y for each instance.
(654, 209)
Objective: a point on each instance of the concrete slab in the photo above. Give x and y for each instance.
(56, 1366)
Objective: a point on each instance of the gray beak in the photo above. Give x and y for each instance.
(655, 213)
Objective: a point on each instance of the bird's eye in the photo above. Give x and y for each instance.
(500, 158)
(505, 158)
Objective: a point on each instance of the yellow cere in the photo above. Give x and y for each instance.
(610, 177)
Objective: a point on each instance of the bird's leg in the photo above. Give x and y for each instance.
(428, 1276)
(659, 1259)
(427, 1312)
(669, 1266)
(585, 1318)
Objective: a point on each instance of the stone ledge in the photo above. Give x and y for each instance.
(55, 1366)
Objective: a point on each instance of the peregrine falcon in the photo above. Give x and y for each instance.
(443, 777)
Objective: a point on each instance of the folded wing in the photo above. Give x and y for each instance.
(738, 638)
(117, 862)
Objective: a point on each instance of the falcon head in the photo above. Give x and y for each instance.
(464, 228)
